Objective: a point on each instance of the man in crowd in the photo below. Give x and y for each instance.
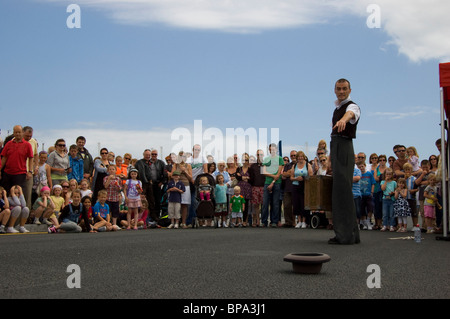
(83, 153)
(15, 168)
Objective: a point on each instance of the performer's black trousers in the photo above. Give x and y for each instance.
(343, 207)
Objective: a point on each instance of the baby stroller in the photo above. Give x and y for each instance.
(205, 208)
(164, 220)
(318, 219)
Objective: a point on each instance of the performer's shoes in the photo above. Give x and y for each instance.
(333, 241)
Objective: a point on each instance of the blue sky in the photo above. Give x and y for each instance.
(136, 71)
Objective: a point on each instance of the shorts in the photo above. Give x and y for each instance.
(236, 215)
(413, 205)
(257, 195)
(134, 203)
(429, 211)
(114, 209)
(221, 210)
(173, 210)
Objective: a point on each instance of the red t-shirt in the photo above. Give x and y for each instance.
(17, 154)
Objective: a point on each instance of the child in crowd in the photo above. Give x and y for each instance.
(121, 169)
(76, 164)
(113, 188)
(57, 199)
(220, 194)
(84, 188)
(71, 215)
(413, 159)
(204, 189)
(430, 195)
(132, 192)
(101, 213)
(86, 201)
(175, 188)
(5, 212)
(18, 208)
(73, 185)
(237, 206)
(412, 184)
(356, 190)
(423, 178)
(323, 146)
(143, 214)
(388, 187)
(43, 177)
(367, 186)
(401, 206)
(123, 214)
(65, 192)
(43, 206)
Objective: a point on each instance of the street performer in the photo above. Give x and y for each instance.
(345, 119)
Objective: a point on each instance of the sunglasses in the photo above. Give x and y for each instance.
(61, 145)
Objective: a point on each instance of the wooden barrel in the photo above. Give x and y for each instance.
(318, 192)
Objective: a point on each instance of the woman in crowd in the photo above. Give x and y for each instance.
(299, 172)
(243, 177)
(433, 160)
(186, 178)
(378, 193)
(59, 162)
(373, 162)
(211, 167)
(100, 171)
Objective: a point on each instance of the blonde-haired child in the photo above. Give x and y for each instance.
(401, 206)
(413, 159)
(430, 203)
(237, 207)
(84, 188)
(43, 206)
(323, 145)
(204, 189)
(388, 186)
(5, 212)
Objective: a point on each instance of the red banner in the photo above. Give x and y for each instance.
(444, 81)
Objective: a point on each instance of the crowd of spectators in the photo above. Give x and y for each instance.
(71, 190)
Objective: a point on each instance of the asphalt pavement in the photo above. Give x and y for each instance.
(219, 264)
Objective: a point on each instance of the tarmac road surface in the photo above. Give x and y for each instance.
(208, 263)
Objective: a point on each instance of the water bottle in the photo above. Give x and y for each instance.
(417, 234)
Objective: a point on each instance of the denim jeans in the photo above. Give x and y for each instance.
(192, 209)
(272, 200)
(388, 212)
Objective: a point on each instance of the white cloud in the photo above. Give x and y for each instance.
(406, 113)
(397, 115)
(417, 28)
